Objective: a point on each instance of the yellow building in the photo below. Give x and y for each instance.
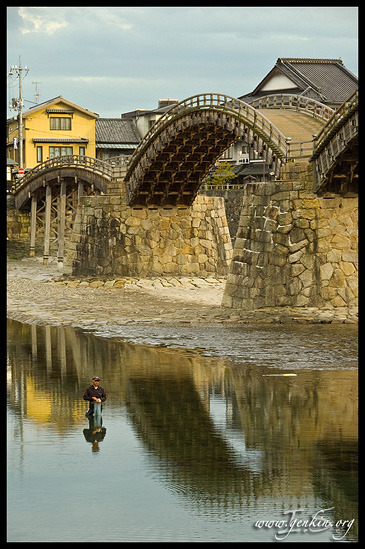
(54, 128)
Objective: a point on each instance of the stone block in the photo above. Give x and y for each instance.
(338, 279)
(284, 218)
(190, 268)
(348, 268)
(281, 250)
(202, 258)
(284, 229)
(338, 301)
(293, 258)
(306, 278)
(302, 301)
(308, 213)
(132, 221)
(96, 284)
(350, 256)
(296, 269)
(326, 271)
(278, 260)
(334, 256)
(298, 245)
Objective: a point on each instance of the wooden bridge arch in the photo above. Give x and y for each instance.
(171, 161)
(52, 190)
(333, 152)
(335, 156)
(91, 171)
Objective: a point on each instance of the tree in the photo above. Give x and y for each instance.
(222, 175)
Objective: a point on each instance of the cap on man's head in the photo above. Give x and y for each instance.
(95, 378)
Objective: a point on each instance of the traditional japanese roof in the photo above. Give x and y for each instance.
(116, 132)
(55, 101)
(326, 80)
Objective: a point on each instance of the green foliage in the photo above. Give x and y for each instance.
(222, 175)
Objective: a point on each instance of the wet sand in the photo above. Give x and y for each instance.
(43, 295)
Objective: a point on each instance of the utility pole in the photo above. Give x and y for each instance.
(17, 104)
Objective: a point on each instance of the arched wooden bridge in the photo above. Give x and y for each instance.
(172, 160)
(52, 190)
(170, 163)
(333, 151)
(81, 170)
(335, 155)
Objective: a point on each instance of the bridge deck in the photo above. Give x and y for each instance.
(297, 125)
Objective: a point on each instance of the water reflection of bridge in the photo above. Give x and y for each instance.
(287, 426)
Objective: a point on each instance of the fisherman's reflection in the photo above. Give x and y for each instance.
(95, 433)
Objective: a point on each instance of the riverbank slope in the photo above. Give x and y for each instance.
(43, 295)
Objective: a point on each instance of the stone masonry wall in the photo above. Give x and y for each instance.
(17, 224)
(233, 205)
(110, 238)
(294, 249)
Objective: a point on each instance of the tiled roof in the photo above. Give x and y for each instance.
(326, 80)
(55, 101)
(115, 130)
(329, 77)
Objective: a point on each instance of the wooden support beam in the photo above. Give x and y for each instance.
(61, 223)
(61, 348)
(47, 224)
(33, 331)
(80, 188)
(33, 225)
(48, 337)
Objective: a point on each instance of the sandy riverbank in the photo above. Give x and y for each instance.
(42, 295)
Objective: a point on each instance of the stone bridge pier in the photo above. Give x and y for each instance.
(110, 238)
(294, 248)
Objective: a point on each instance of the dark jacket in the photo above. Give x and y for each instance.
(97, 392)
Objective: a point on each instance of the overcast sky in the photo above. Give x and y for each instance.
(112, 60)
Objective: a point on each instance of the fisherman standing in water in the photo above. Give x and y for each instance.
(95, 395)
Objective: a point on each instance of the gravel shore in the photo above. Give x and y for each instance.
(43, 295)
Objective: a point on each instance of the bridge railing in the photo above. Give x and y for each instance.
(293, 102)
(339, 118)
(70, 161)
(120, 160)
(296, 149)
(300, 149)
(247, 113)
(336, 135)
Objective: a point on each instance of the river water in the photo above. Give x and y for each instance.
(241, 434)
